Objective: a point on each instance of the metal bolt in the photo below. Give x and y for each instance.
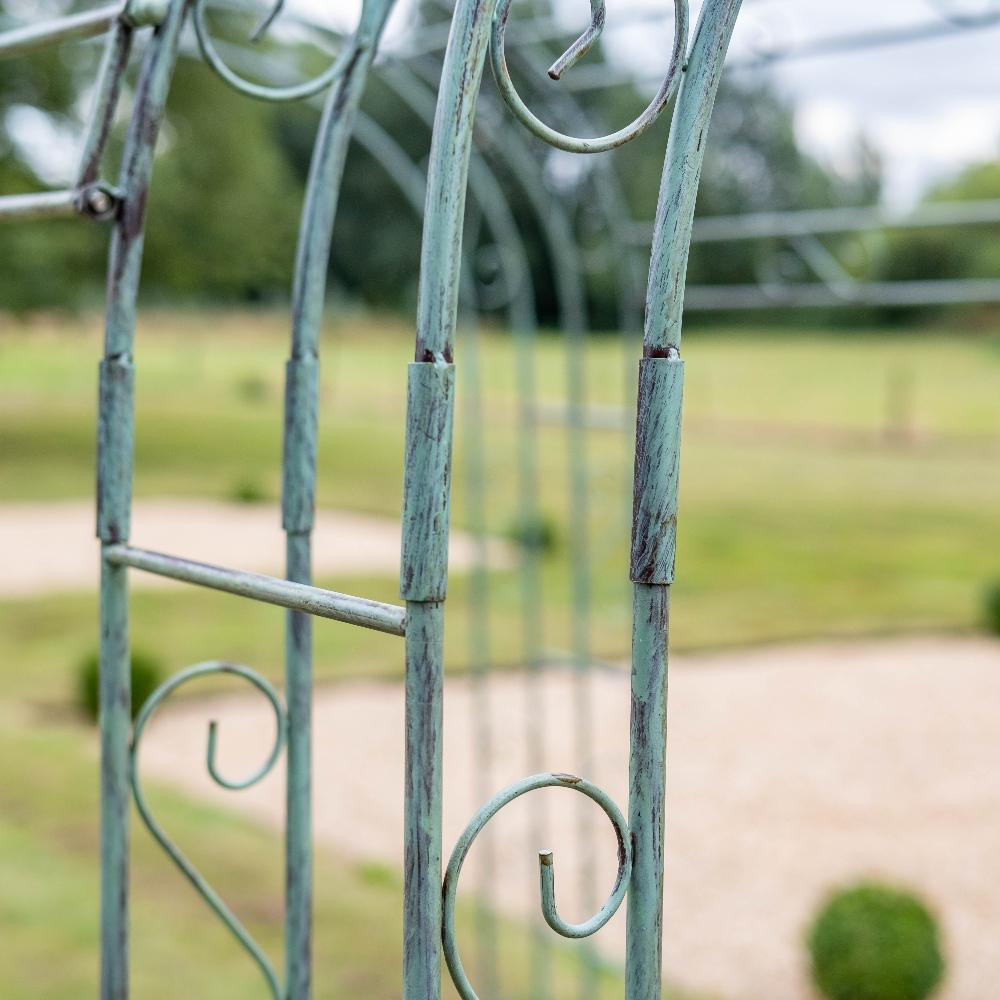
(99, 202)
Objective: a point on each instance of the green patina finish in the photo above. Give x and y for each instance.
(476, 26)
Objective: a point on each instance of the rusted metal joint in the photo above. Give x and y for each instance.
(98, 201)
(427, 481)
(144, 13)
(657, 459)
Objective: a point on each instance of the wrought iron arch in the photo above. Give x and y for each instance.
(428, 916)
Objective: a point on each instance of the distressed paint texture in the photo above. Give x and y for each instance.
(427, 481)
(298, 467)
(111, 77)
(116, 424)
(658, 419)
(422, 800)
(654, 500)
(298, 495)
(682, 173)
(273, 590)
(647, 784)
(116, 725)
(115, 442)
(657, 460)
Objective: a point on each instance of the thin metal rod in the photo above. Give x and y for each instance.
(269, 589)
(422, 800)
(655, 493)
(942, 291)
(116, 732)
(600, 78)
(647, 789)
(681, 174)
(44, 205)
(816, 221)
(111, 76)
(86, 24)
(114, 488)
(298, 777)
(447, 176)
(299, 477)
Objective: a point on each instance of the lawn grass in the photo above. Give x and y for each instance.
(801, 515)
(49, 880)
(805, 512)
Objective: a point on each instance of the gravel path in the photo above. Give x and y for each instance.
(51, 546)
(792, 769)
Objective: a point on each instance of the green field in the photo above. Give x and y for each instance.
(801, 512)
(831, 485)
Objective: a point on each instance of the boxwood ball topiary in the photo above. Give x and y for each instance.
(874, 942)
(147, 673)
(991, 607)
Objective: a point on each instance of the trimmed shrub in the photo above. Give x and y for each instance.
(536, 534)
(874, 942)
(991, 608)
(248, 491)
(147, 673)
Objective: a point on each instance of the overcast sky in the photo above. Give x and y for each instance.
(929, 106)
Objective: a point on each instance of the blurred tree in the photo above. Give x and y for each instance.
(224, 204)
(48, 263)
(227, 188)
(946, 251)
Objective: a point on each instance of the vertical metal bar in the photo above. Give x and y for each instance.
(654, 520)
(115, 456)
(111, 76)
(423, 585)
(654, 515)
(299, 479)
(579, 526)
(647, 768)
(532, 620)
(422, 804)
(427, 490)
(115, 723)
(451, 147)
(298, 785)
(479, 638)
(681, 174)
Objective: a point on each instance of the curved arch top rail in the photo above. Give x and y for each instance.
(575, 144)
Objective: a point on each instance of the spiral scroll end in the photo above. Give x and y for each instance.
(583, 44)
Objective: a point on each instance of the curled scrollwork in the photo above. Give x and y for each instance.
(598, 144)
(259, 91)
(187, 868)
(545, 864)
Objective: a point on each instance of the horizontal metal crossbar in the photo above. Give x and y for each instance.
(43, 205)
(819, 221)
(297, 596)
(84, 24)
(936, 291)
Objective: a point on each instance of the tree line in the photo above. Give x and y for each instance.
(228, 188)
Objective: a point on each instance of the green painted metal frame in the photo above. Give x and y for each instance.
(428, 916)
